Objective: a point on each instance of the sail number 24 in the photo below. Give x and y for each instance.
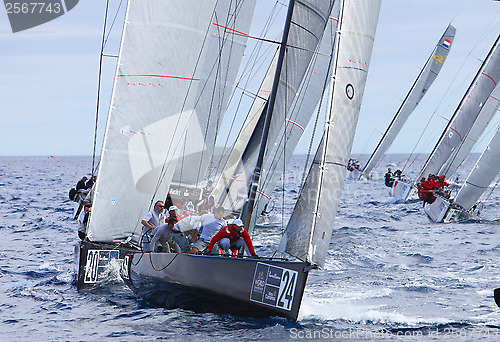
(274, 286)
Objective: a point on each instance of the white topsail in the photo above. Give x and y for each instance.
(308, 233)
(422, 84)
(176, 69)
(466, 113)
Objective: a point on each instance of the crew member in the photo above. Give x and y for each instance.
(389, 181)
(233, 235)
(210, 225)
(150, 221)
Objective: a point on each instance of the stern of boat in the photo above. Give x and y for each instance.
(400, 190)
(438, 209)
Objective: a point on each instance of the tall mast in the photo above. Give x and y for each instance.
(247, 212)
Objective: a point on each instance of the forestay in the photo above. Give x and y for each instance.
(422, 84)
(466, 113)
(308, 233)
(177, 65)
(483, 173)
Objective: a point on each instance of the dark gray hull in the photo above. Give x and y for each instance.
(238, 286)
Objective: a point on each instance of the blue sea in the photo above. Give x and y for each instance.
(391, 274)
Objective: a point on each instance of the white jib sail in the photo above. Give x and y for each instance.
(483, 173)
(422, 84)
(466, 113)
(309, 230)
(177, 64)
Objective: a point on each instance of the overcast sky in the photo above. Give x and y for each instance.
(48, 81)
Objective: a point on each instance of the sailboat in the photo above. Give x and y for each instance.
(465, 205)
(463, 119)
(419, 88)
(165, 112)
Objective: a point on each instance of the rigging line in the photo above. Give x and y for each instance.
(459, 72)
(230, 16)
(255, 54)
(327, 132)
(161, 269)
(463, 101)
(493, 189)
(113, 22)
(247, 215)
(99, 87)
(278, 43)
(449, 87)
(325, 85)
(296, 105)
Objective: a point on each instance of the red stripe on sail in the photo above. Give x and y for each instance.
(456, 132)
(489, 77)
(230, 29)
(263, 194)
(296, 124)
(162, 76)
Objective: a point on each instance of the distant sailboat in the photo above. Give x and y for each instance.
(465, 204)
(461, 122)
(419, 88)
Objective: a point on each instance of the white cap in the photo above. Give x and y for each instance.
(172, 208)
(238, 222)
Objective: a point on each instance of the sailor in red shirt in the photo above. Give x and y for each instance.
(230, 234)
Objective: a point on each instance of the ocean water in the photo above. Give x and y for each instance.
(391, 274)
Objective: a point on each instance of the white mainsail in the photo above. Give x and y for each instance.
(422, 84)
(466, 113)
(459, 155)
(483, 173)
(308, 233)
(177, 65)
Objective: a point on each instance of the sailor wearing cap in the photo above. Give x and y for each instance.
(163, 233)
(233, 236)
